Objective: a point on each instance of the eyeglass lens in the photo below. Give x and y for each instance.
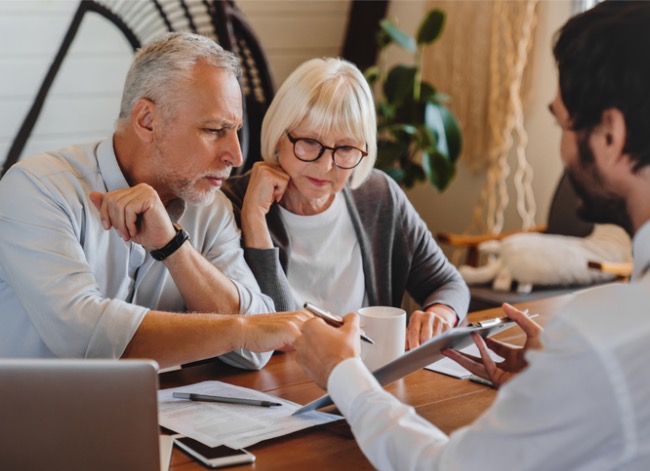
(310, 150)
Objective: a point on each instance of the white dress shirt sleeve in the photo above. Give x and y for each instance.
(390, 433)
(543, 419)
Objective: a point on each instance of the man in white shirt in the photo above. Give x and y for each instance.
(95, 259)
(580, 400)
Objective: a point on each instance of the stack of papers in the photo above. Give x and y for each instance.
(233, 425)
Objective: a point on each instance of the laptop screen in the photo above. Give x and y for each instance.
(78, 415)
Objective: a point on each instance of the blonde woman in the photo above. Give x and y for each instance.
(320, 224)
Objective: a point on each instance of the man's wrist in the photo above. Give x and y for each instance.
(445, 312)
(173, 245)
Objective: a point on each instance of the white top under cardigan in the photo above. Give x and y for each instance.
(325, 265)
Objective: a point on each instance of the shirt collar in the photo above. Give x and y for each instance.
(109, 168)
(641, 251)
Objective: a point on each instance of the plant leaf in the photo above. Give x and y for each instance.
(389, 153)
(440, 121)
(398, 87)
(452, 133)
(400, 131)
(396, 173)
(428, 92)
(383, 39)
(371, 74)
(398, 36)
(438, 169)
(431, 27)
(413, 172)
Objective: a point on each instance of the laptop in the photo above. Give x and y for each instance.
(78, 415)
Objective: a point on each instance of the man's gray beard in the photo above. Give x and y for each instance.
(181, 187)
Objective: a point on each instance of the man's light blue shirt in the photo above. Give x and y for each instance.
(70, 288)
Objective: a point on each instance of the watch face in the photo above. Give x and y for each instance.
(173, 245)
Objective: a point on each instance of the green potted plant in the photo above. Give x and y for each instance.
(419, 138)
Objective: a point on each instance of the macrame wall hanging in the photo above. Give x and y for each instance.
(481, 62)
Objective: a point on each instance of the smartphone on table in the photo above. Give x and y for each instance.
(217, 457)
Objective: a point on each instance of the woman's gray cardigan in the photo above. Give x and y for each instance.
(398, 251)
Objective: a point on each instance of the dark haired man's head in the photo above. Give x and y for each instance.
(603, 100)
(603, 58)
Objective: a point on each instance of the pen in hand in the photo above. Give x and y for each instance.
(499, 320)
(331, 319)
(227, 400)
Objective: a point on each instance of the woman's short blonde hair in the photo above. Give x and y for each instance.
(328, 94)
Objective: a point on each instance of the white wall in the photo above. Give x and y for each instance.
(84, 100)
(292, 32)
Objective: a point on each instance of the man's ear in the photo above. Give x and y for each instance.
(614, 132)
(143, 117)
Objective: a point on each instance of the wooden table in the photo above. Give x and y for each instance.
(447, 402)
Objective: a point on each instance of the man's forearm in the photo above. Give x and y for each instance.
(202, 285)
(175, 339)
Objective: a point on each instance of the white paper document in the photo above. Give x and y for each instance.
(450, 367)
(233, 425)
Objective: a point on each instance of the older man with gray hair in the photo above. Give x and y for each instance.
(125, 247)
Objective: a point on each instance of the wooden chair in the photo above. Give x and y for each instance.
(622, 271)
(143, 20)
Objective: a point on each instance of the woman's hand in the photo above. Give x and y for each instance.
(513, 357)
(266, 186)
(424, 325)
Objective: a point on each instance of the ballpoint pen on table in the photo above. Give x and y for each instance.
(227, 400)
(331, 319)
(479, 380)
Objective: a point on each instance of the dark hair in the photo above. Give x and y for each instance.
(603, 58)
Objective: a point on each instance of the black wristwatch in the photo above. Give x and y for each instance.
(173, 245)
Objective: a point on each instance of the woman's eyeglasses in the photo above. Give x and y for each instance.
(310, 150)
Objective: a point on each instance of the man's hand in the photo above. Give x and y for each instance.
(321, 347)
(137, 214)
(424, 325)
(277, 331)
(514, 360)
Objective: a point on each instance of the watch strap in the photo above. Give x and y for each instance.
(173, 245)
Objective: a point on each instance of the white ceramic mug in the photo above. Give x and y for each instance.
(386, 326)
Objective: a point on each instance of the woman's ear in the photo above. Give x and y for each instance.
(142, 119)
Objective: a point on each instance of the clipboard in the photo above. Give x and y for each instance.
(427, 353)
